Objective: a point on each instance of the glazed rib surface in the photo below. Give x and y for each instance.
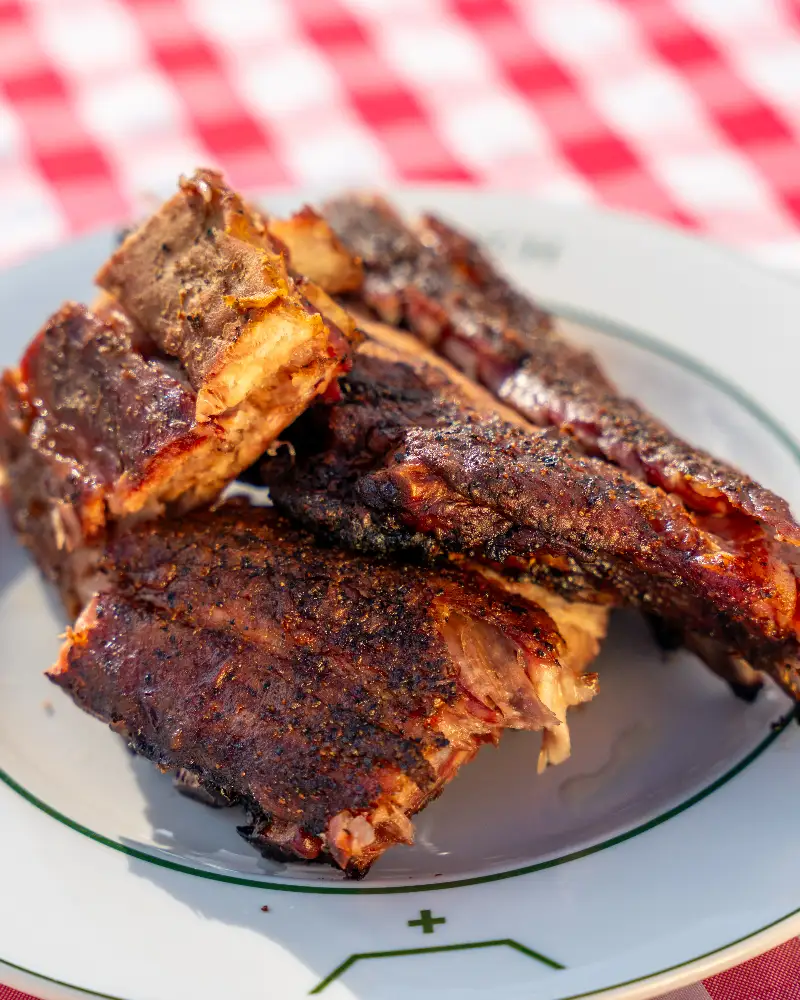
(439, 284)
(333, 695)
(400, 465)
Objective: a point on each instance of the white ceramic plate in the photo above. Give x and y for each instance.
(664, 850)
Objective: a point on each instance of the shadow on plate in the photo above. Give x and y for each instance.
(14, 560)
(665, 733)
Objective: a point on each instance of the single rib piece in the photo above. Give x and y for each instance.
(332, 695)
(398, 464)
(116, 414)
(316, 252)
(438, 283)
(204, 279)
(99, 431)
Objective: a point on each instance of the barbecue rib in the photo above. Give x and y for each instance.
(199, 353)
(399, 464)
(332, 695)
(316, 252)
(204, 279)
(438, 283)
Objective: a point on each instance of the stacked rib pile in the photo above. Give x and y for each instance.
(459, 505)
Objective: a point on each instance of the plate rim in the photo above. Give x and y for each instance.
(694, 970)
(691, 970)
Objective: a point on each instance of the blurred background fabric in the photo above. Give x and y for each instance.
(684, 110)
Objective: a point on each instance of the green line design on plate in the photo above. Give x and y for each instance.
(574, 996)
(646, 343)
(57, 982)
(507, 942)
(426, 922)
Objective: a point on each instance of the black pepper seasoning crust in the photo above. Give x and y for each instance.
(397, 465)
(439, 284)
(295, 679)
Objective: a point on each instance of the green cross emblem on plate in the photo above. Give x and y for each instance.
(426, 921)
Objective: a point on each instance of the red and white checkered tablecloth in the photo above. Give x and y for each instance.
(686, 110)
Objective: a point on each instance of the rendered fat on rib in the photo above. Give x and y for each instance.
(333, 695)
(403, 462)
(317, 253)
(198, 354)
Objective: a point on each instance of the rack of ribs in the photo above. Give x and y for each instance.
(199, 351)
(404, 462)
(332, 695)
(438, 283)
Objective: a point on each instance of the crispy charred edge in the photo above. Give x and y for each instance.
(14, 421)
(74, 502)
(439, 283)
(354, 841)
(407, 284)
(193, 787)
(271, 829)
(316, 252)
(56, 513)
(47, 530)
(235, 343)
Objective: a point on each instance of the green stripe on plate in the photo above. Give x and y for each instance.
(361, 889)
